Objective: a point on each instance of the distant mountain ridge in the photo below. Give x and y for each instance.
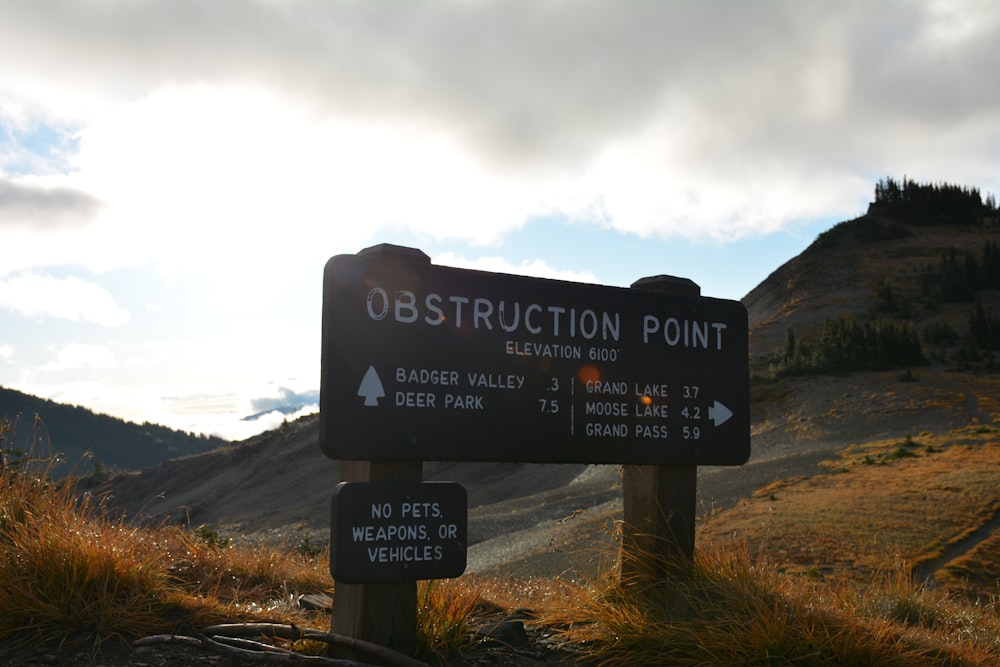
(85, 440)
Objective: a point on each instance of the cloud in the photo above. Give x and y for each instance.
(268, 420)
(6, 352)
(202, 403)
(70, 298)
(218, 411)
(37, 207)
(287, 402)
(202, 124)
(274, 129)
(81, 355)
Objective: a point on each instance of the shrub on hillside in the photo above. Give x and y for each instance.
(848, 345)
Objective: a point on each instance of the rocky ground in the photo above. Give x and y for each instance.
(112, 656)
(508, 643)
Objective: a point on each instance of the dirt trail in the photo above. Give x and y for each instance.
(971, 404)
(926, 570)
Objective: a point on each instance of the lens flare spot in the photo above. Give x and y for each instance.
(588, 374)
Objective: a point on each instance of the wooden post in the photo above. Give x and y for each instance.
(659, 500)
(381, 613)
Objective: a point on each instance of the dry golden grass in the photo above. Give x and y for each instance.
(73, 575)
(813, 571)
(731, 609)
(65, 577)
(529, 593)
(901, 500)
(986, 389)
(447, 613)
(977, 572)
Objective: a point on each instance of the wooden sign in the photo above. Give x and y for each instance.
(424, 362)
(398, 531)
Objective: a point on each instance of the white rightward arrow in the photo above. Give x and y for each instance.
(371, 388)
(719, 413)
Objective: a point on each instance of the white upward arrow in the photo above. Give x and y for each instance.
(371, 388)
(719, 413)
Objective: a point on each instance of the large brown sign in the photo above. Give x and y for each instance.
(425, 362)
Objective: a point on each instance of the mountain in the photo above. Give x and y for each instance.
(921, 254)
(863, 289)
(86, 440)
(845, 273)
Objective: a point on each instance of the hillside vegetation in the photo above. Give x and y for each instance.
(86, 441)
(891, 289)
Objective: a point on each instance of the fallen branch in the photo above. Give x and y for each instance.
(232, 640)
(166, 639)
(281, 657)
(295, 633)
(271, 654)
(249, 644)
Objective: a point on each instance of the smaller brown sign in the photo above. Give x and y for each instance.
(398, 531)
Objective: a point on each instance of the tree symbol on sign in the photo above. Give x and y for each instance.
(371, 387)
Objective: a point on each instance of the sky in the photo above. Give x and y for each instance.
(174, 174)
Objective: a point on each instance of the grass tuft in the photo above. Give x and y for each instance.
(67, 576)
(728, 609)
(73, 575)
(447, 611)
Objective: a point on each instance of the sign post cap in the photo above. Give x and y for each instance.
(664, 283)
(395, 252)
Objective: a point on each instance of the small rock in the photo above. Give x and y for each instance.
(509, 633)
(316, 601)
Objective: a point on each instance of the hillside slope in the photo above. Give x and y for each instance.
(843, 272)
(278, 485)
(82, 438)
(540, 518)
